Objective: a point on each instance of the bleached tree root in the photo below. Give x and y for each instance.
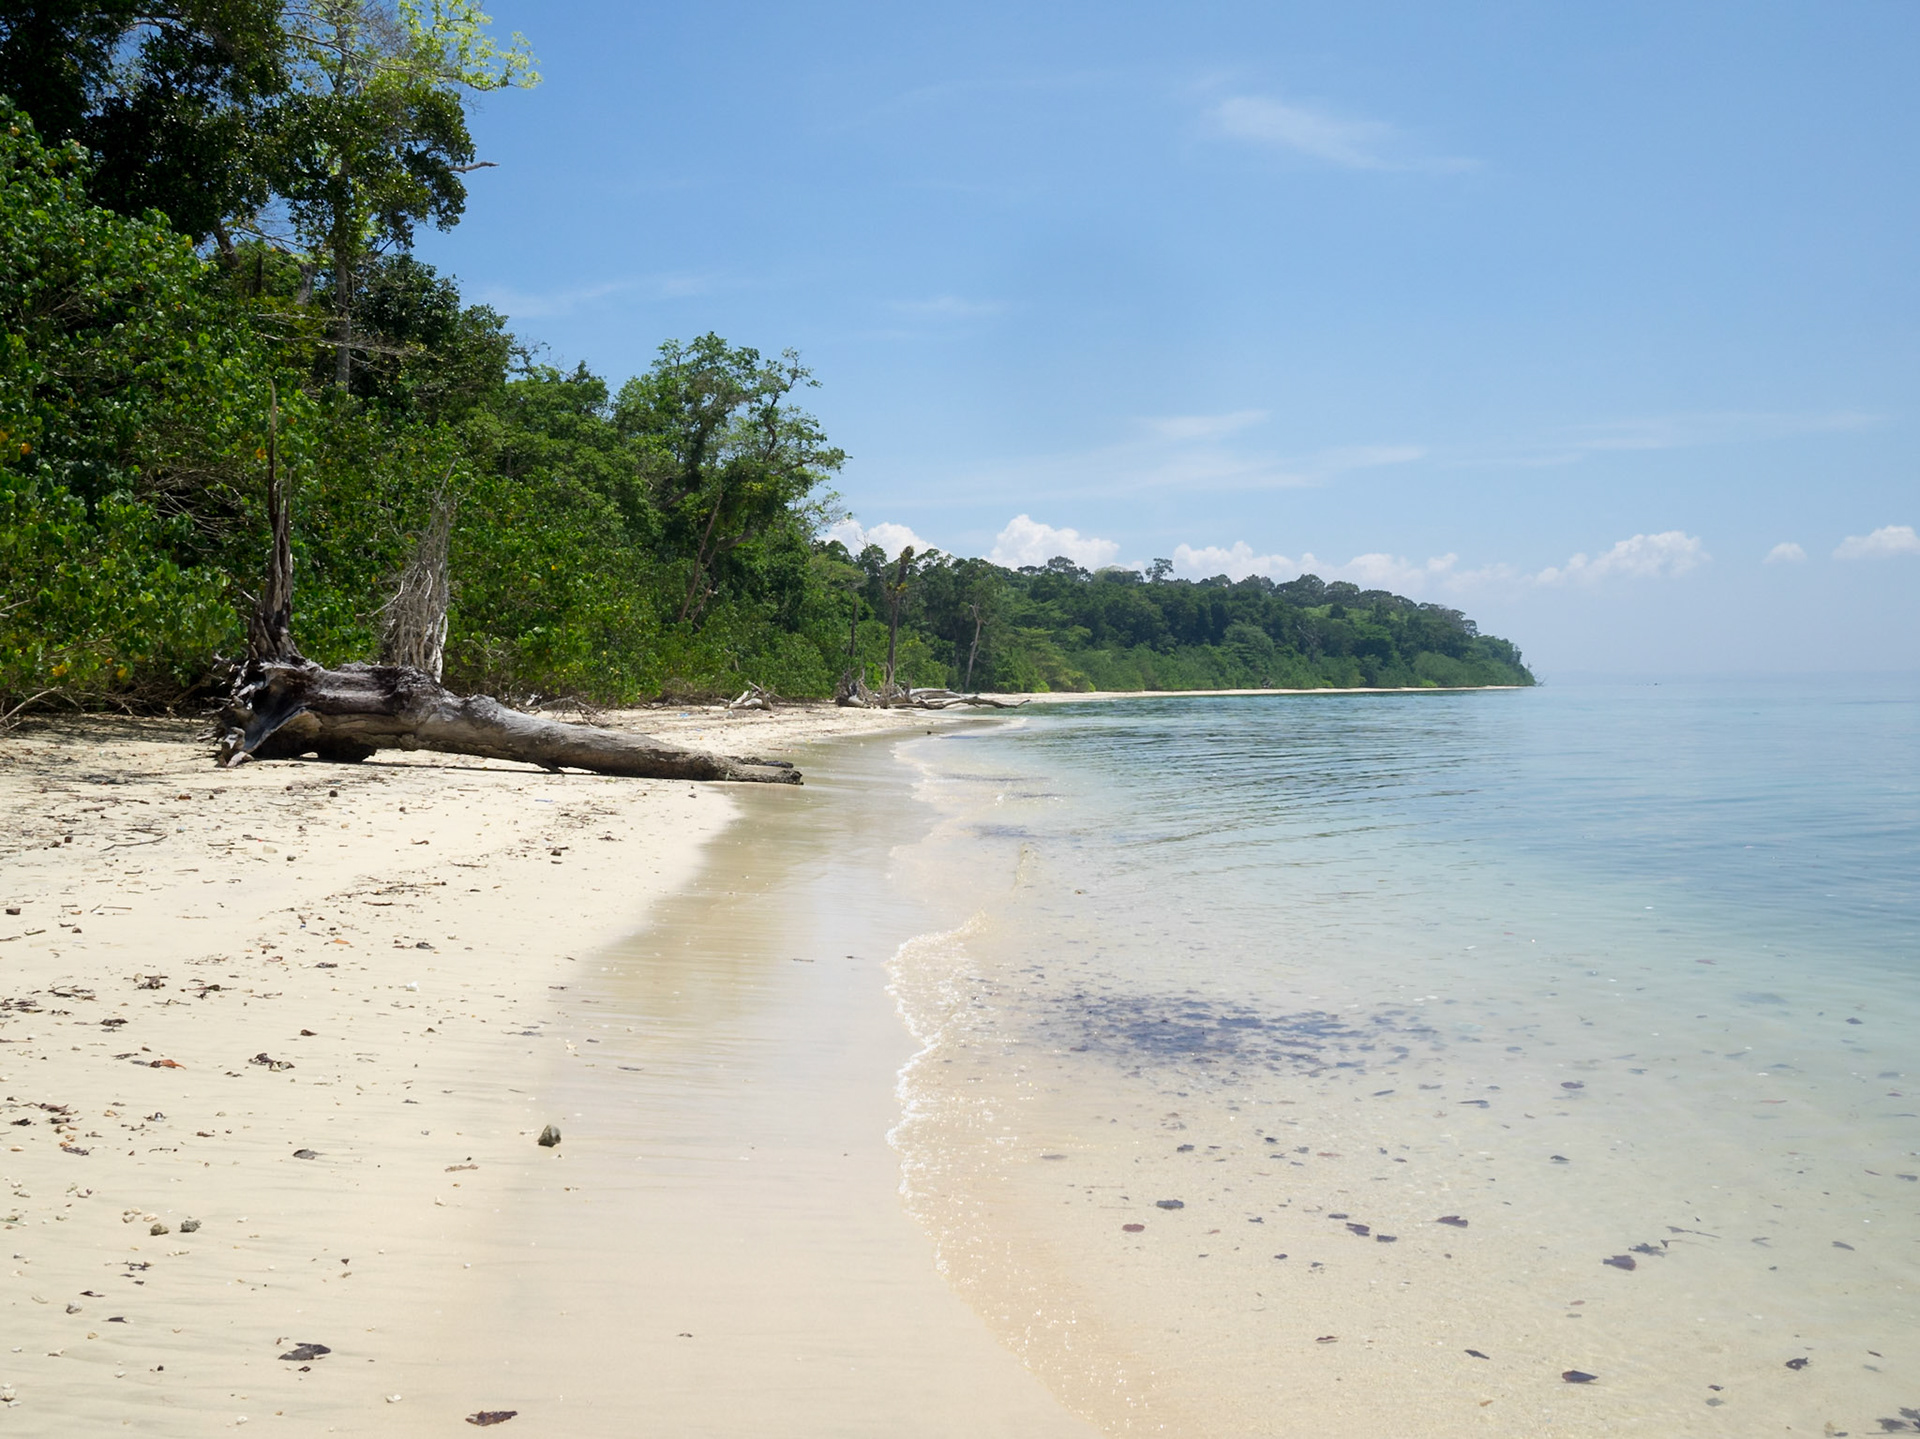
(753, 697)
(283, 709)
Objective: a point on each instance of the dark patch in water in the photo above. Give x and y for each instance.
(1173, 1030)
(1002, 831)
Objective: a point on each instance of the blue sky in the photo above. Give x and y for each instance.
(1565, 315)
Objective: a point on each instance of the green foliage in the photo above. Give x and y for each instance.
(169, 94)
(734, 472)
(95, 602)
(124, 386)
(1058, 627)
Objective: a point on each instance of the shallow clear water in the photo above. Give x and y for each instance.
(1622, 982)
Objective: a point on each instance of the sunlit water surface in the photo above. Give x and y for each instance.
(1485, 1041)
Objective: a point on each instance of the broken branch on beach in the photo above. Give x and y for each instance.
(284, 706)
(289, 707)
(853, 693)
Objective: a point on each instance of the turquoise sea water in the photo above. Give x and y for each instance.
(1611, 973)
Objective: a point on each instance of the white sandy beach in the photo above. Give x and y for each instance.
(275, 1047)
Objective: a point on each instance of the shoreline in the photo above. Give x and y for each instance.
(284, 1037)
(1088, 696)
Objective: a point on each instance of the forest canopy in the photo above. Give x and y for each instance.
(207, 215)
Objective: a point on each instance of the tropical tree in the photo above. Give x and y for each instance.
(372, 141)
(170, 96)
(729, 462)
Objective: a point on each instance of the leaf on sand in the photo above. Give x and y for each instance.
(492, 1416)
(1578, 1376)
(300, 1353)
(1621, 1261)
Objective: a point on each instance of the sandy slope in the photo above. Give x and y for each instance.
(262, 1055)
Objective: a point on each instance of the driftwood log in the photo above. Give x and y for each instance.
(286, 708)
(853, 693)
(753, 697)
(283, 705)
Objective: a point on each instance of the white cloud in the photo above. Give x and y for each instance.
(1669, 553)
(1883, 543)
(1236, 562)
(1377, 571)
(1390, 572)
(890, 537)
(1025, 541)
(1643, 556)
(1320, 135)
(1785, 553)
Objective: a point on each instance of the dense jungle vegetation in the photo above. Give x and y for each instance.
(207, 211)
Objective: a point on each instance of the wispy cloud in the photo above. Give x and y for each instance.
(890, 537)
(1204, 427)
(1223, 452)
(1883, 544)
(1574, 444)
(1785, 553)
(1187, 452)
(1318, 134)
(545, 304)
(1025, 541)
(948, 307)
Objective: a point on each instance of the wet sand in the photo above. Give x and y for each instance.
(284, 1038)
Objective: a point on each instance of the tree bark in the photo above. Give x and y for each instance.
(282, 709)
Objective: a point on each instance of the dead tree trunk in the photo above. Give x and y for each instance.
(286, 709)
(413, 629)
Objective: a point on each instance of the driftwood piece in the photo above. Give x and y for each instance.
(753, 697)
(853, 693)
(413, 621)
(932, 699)
(282, 709)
